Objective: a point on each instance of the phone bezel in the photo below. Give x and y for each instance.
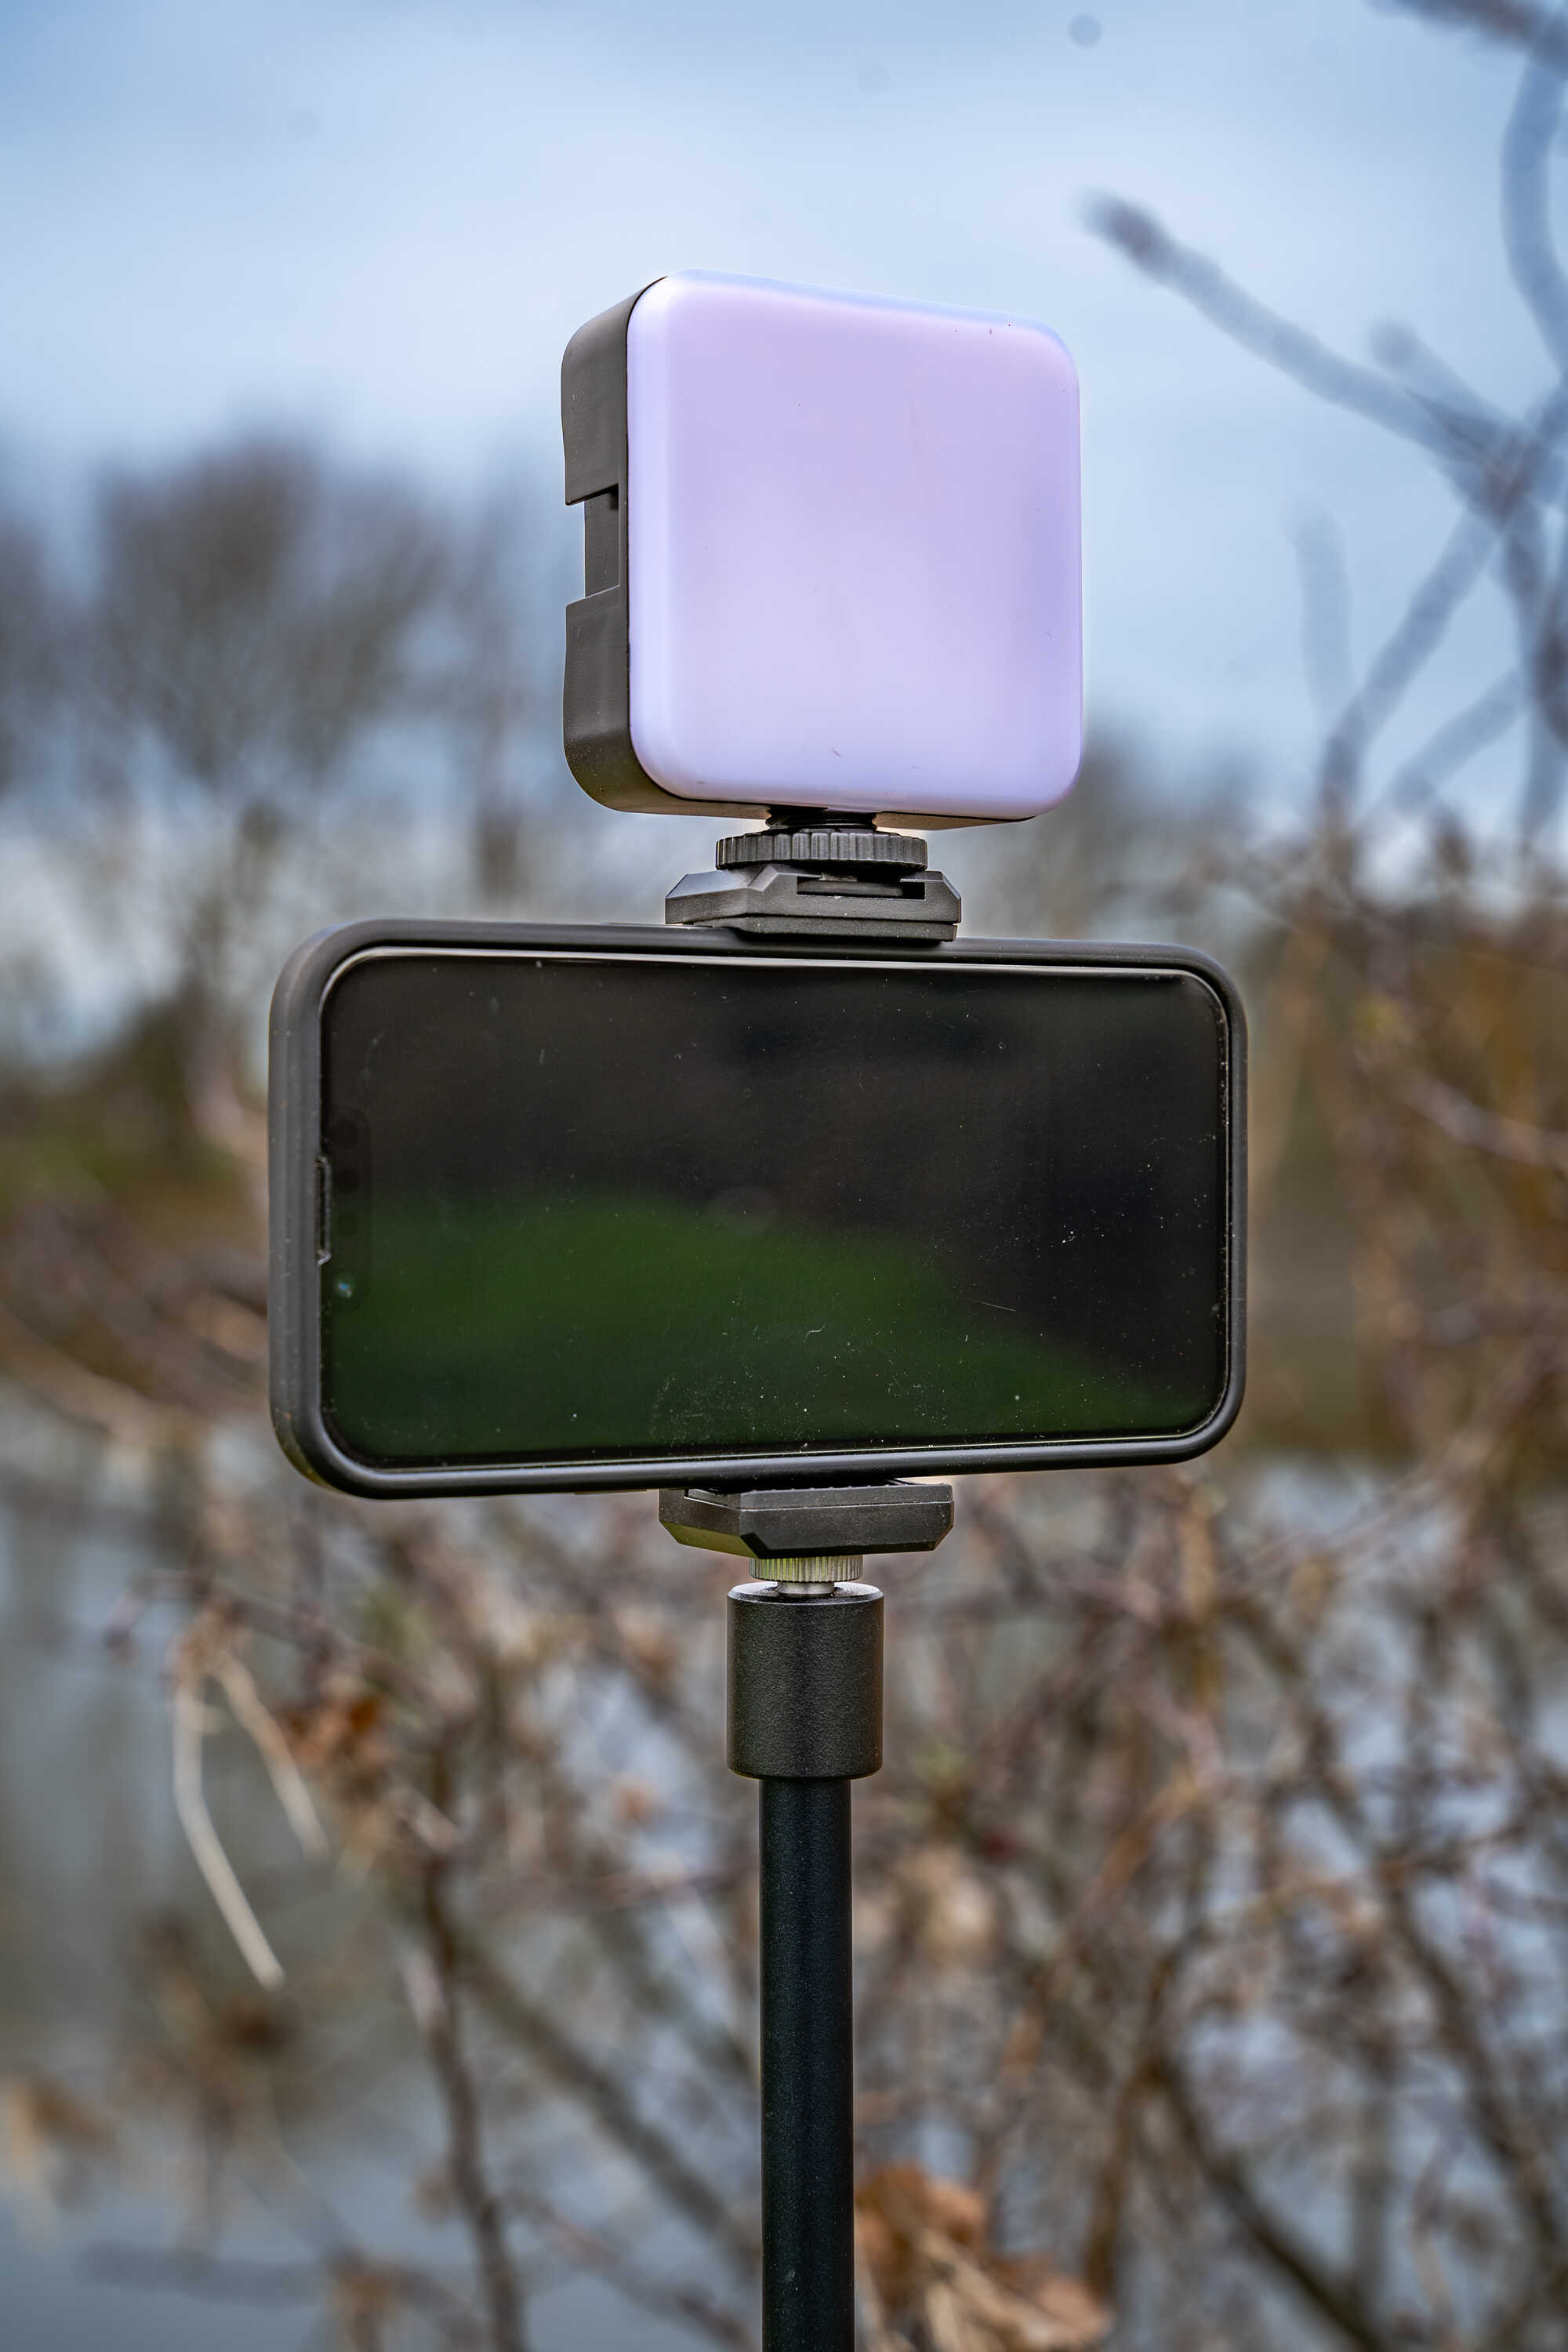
(294, 1121)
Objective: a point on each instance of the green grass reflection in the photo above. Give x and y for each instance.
(584, 1328)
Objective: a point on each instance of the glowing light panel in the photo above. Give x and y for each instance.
(853, 560)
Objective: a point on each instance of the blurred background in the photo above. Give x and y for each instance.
(377, 1939)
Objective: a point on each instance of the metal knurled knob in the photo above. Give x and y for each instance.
(850, 846)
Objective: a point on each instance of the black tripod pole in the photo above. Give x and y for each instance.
(807, 2019)
(806, 1719)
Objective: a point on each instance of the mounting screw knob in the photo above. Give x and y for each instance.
(856, 849)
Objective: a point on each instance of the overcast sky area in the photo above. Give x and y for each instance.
(381, 219)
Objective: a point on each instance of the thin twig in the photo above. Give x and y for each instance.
(190, 1804)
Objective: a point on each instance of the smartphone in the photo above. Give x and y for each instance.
(571, 1208)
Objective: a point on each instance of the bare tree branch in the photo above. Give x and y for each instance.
(1144, 241)
(1527, 152)
(476, 2199)
(1522, 24)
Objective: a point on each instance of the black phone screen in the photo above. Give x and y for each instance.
(601, 1206)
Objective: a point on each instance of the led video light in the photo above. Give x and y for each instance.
(831, 556)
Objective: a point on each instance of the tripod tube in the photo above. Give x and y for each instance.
(807, 2029)
(806, 1719)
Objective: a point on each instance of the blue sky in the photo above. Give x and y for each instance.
(382, 218)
